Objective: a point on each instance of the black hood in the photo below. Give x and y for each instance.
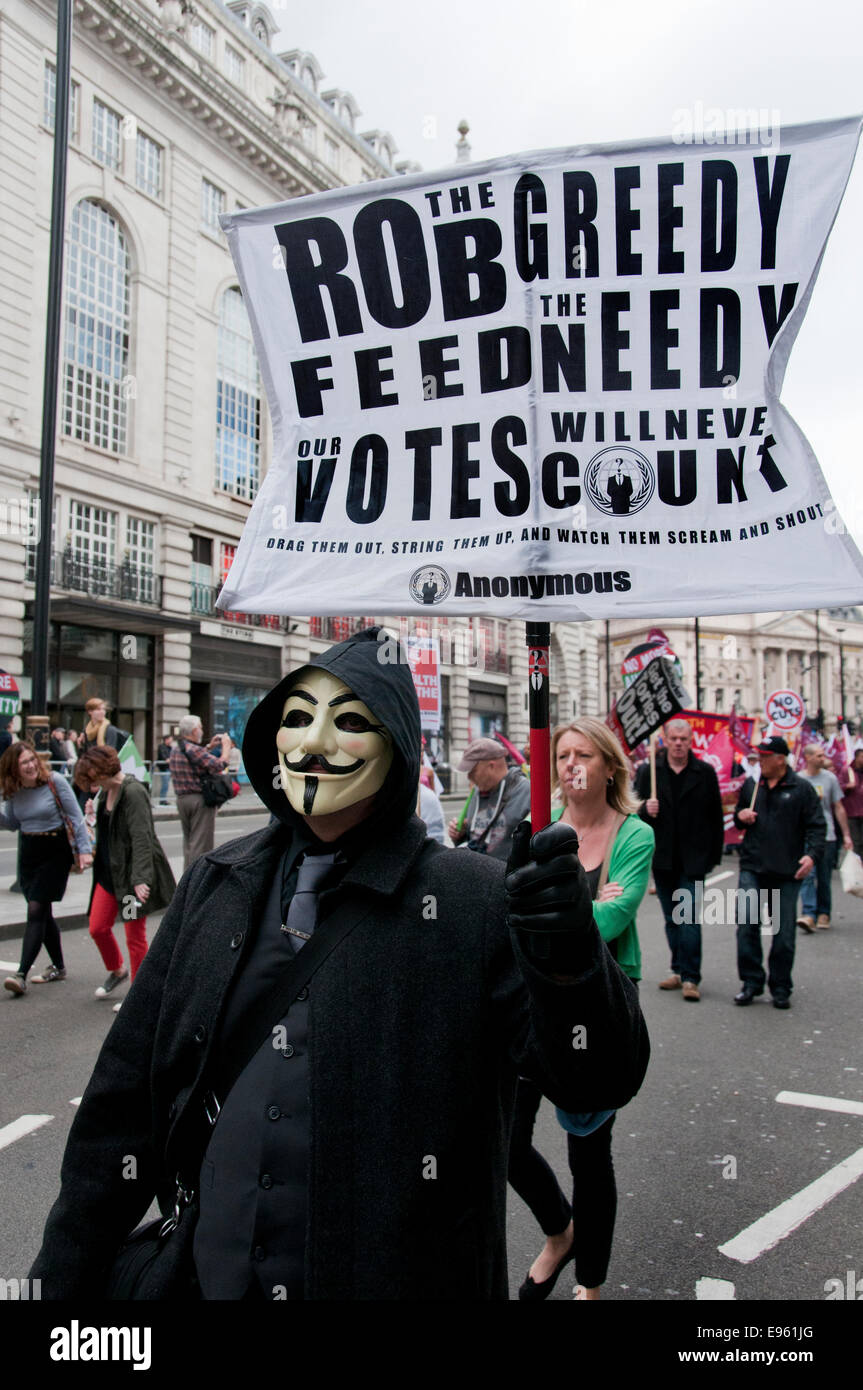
(386, 686)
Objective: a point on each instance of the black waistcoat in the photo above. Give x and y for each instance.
(254, 1177)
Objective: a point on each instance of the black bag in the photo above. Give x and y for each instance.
(156, 1261)
(216, 789)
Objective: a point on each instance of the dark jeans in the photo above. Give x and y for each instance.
(594, 1192)
(855, 830)
(684, 936)
(749, 951)
(815, 891)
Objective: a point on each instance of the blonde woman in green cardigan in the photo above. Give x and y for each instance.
(616, 849)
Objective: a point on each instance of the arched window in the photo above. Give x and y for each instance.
(238, 402)
(96, 384)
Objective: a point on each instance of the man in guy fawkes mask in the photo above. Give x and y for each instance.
(346, 1139)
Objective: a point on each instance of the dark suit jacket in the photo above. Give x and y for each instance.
(699, 833)
(420, 1021)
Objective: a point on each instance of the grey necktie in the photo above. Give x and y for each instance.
(303, 907)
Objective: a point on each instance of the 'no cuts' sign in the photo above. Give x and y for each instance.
(785, 710)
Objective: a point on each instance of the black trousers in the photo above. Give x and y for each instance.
(594, 1191)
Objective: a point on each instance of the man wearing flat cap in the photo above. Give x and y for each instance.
(784, 835)
(500, 799)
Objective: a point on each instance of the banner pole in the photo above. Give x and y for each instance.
(653, 766)
(538, 639)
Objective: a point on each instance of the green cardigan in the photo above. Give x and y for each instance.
(631, 857)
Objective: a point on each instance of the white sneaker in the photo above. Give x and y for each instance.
(117, 1007)
(115, 978)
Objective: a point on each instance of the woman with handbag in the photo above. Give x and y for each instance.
(615, 848)
(130, 871)
(53, 834)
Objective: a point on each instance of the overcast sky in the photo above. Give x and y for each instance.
(534, 74)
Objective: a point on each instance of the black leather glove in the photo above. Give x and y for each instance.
(548, 900)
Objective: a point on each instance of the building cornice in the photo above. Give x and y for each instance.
(172, 68)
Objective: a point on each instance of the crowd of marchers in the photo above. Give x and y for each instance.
(333, 1054)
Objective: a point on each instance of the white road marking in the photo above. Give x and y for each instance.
(844, 1107)
(768, 1230)
(9, 964)
(25, 1124)
(715, 1289)
(729, 873)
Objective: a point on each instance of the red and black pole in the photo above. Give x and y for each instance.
(538, 638)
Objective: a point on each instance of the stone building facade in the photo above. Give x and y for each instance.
(746, 656)
(179, 112)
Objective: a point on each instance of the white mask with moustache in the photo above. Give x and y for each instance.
(333, 752)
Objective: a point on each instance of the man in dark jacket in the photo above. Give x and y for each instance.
(784, 834)
(361, 1152)
(686, 816)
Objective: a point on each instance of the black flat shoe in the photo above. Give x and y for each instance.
(747, 994)
(534, 1293)
(781, 1001)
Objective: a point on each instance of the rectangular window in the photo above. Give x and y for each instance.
(212, 204)
(331, 152)
(138, 578)
(202, 575)
(91, 546)
(202, 38)
(235, 65)
(238, 440)
(148, 166)
(106, 135)
(49, 114)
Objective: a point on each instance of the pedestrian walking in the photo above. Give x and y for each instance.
(131, 875)
(43, 808)
(189, 763)
(162, 768)
(57, 750)
(499, 800)
(816, 893)
(98, 729)
(615, 849)
(852, 800)
(784, 834)
(687, 820)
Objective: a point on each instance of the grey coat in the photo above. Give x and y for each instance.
(419, 1024)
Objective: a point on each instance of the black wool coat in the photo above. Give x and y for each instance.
(420, 1021)
(700, 822)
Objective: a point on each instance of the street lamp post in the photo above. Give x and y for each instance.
(839, 632)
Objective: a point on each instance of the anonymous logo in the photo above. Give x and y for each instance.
(429, 585)
(619, 481)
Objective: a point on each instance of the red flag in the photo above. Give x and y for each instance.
(737, 731)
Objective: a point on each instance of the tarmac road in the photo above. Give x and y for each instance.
(703, 1152)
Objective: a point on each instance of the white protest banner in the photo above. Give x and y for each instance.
(546, 386)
